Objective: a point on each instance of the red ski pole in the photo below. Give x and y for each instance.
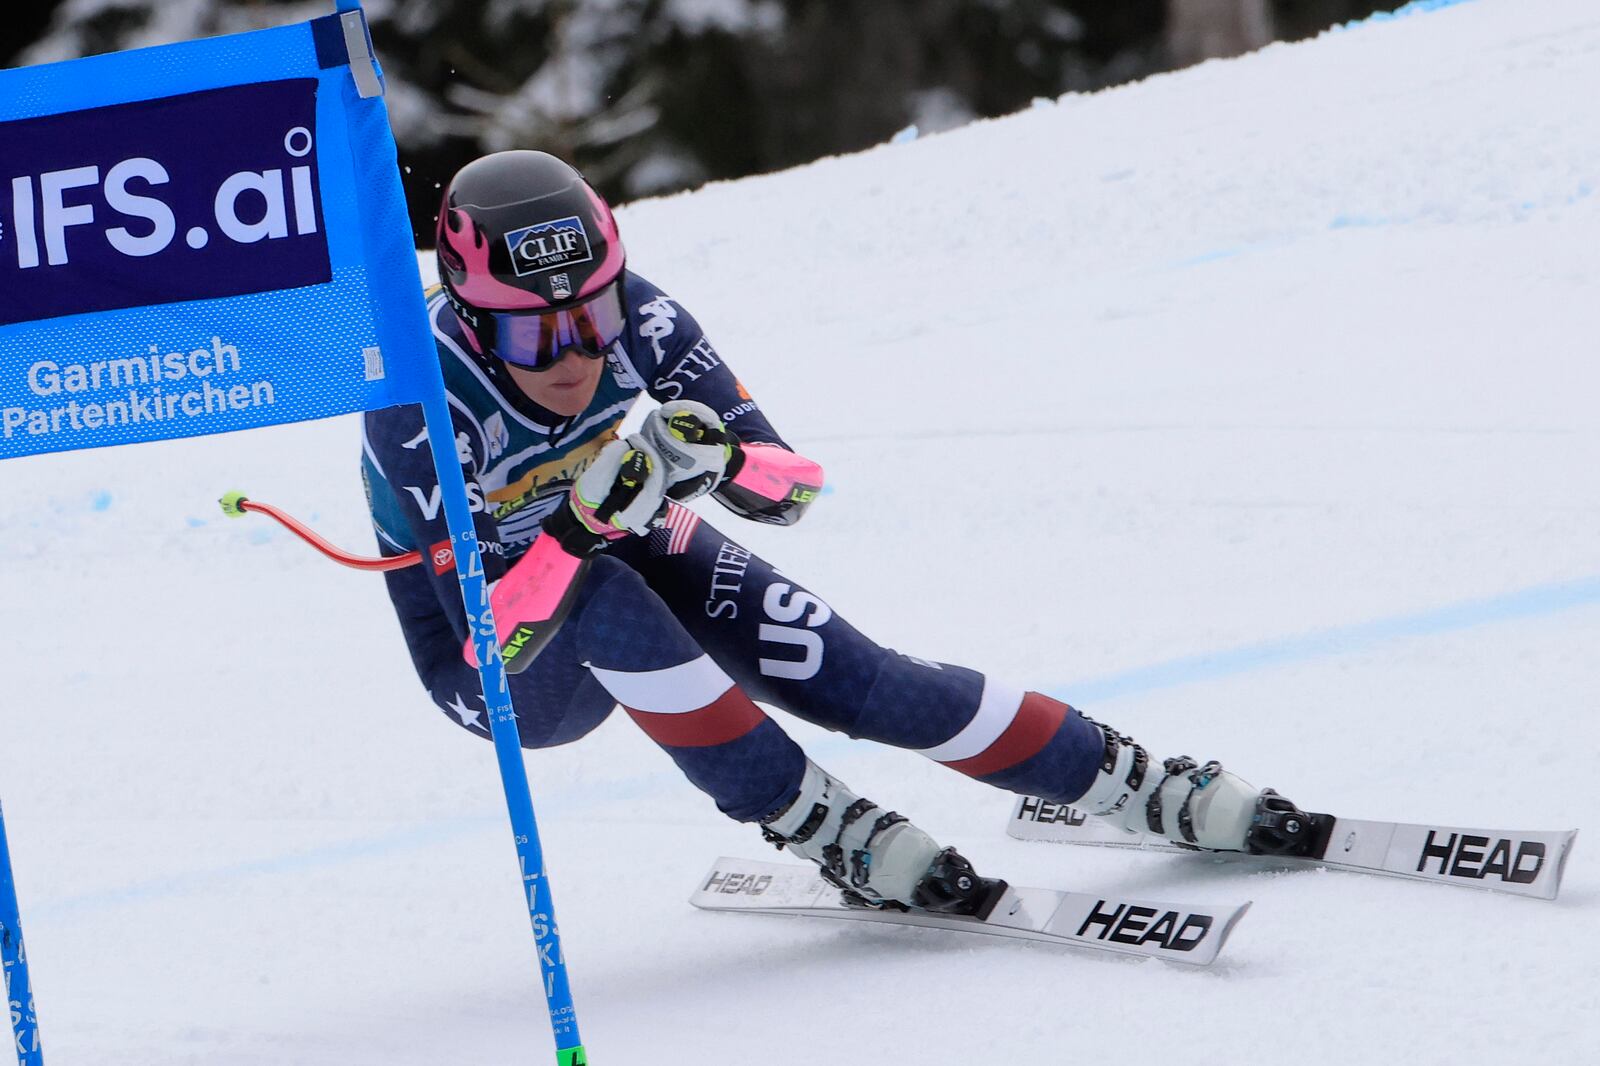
(235, 504)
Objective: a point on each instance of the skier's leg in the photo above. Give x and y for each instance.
(729, 748)
(642, 656)
(786, 646)
(620, 644)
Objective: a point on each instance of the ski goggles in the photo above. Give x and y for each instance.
(538, 339)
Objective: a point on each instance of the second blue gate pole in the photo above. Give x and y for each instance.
(14, 961)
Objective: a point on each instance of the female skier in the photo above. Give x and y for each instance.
(546, 340)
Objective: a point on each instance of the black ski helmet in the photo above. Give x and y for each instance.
(522, 232)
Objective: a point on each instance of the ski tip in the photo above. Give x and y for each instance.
(232, 504)
(1565, 852)
(1228, 927)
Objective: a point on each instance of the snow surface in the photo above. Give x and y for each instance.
(1251, 407)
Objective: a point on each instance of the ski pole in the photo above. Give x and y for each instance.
(236, 505)
(529, 604)
(14, 961)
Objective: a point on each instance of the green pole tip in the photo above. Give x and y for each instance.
(231, 504)
(572, 1056)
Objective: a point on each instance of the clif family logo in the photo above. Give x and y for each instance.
(197, 196)
(549, 245)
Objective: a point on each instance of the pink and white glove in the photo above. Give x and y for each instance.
(693, 444)
(622, 492)
(761, 482)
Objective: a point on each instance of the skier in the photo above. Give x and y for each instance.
(546, 339)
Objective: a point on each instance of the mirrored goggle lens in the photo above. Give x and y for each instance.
(537, 341)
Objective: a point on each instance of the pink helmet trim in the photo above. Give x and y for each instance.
(611, 265)
(479, 286)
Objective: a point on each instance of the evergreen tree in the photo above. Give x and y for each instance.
(652, 96)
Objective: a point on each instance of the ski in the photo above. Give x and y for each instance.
(1182, 933)
(1522, 863)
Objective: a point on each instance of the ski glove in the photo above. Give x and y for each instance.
(622, 492)
(761, 482)
(693, 444)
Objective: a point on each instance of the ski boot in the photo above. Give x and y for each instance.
(1200, 806)
(876, 858)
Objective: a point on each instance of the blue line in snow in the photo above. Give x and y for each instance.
(1342, 221)
(333, 854)
(1207, 257)
(1416, 7)
(1534, 602)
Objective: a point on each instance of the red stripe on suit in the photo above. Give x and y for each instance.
(1036, 722)
(728, 717)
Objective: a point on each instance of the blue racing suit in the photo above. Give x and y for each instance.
(683, 627)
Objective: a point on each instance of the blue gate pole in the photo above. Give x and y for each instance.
(503, 727)
(14, 957)
(491, 669)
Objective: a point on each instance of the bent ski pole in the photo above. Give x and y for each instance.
(236, 504)
(530, 602)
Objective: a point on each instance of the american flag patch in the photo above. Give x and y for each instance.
(676, 530)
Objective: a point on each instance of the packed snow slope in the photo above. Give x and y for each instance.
(1251, 408)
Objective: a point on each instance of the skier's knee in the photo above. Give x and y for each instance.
(913, 703)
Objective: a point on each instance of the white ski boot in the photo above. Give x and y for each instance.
(1192, 804)
(877, 858)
